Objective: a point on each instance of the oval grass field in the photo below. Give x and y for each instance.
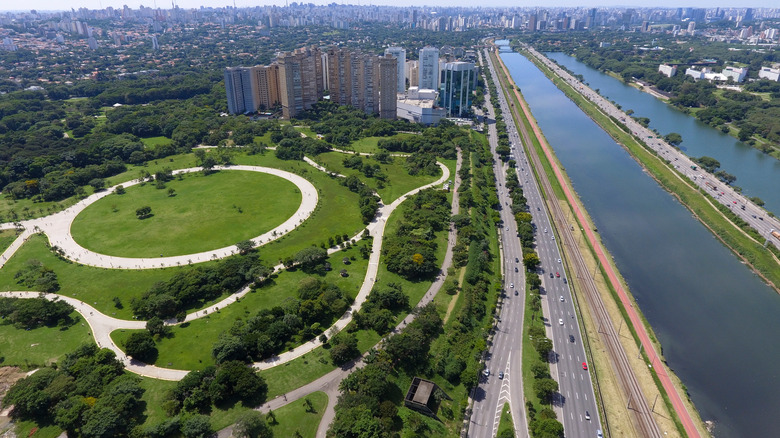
(207, 212)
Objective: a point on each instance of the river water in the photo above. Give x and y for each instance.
(757, 173)
(714, 318)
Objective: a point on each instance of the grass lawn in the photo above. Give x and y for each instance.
(96, 286)
(41, 346)
(7, 237)
(154, 395)
(289, 418)
(398, 179)
(25, 429)
(295, 418)
(296, 373)
(207, 212)
(506, 422)
(337, 211)
(20, 209)
(153, 142)
(190, 346)
(370, 144)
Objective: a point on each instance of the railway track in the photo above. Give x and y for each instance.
(642, 418)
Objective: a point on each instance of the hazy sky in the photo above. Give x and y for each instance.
(44, 5)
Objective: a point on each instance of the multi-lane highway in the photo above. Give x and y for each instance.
(723, 193)
(575, 404)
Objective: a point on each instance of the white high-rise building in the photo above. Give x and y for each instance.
(399, 53)
(429, 68)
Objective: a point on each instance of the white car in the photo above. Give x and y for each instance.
(561, 298)
(559, 260)
(512, 285)
(560, 321)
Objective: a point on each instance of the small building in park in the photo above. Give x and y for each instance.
(422, 396)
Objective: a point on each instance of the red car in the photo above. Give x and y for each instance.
(557, 274)
(585, 366)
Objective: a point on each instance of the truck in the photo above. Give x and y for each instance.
(776, 234)
(694, 167)
(710, 185)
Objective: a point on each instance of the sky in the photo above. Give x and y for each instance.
(47, 5)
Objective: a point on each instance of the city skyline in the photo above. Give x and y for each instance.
(56, 5)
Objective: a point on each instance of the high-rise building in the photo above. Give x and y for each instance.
(267, 79)
(339, 76)
(400, 55)
(386, 79)
(300, 80)
(363, 81)
(412, 71)
(429, 68)
(155, 44)
(240, 90)
(92, 43)
(459, 79)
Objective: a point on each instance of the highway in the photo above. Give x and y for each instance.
(575, 404)
(746, 209)
(642, 416)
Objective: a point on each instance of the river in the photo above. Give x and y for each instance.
(757, 173)
(714, 318)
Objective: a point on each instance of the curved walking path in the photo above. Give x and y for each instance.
(636, 322)
(57, 227)
(102, 325)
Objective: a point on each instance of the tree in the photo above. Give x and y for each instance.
(120, 190)
(97, 183)
(673, 138)
(252, 424)
(140, 345)
(547, 428)
(143, 212)
(196, 426)
(171, 193)
(343, 348)
(545, 389)
(530, 260)
(245, 246)
(311, 258)
(156, 326)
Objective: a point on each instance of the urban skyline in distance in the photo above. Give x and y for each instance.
(57, 5)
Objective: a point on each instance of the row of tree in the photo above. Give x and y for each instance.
(192, 288)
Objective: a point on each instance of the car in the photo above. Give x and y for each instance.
(501, 375)
(517, 260)
(516, 269)
(571, 338)
(599, 434)
(486, 373)
(506, 229)
(564, 281)
(551, 275)
(558, 275)
(538, 209)
(561, 298)
(585, 366)
(545, 230)
(516, 293)
(560, 321)
(559, 260)
(587, 415)
(512, 285)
